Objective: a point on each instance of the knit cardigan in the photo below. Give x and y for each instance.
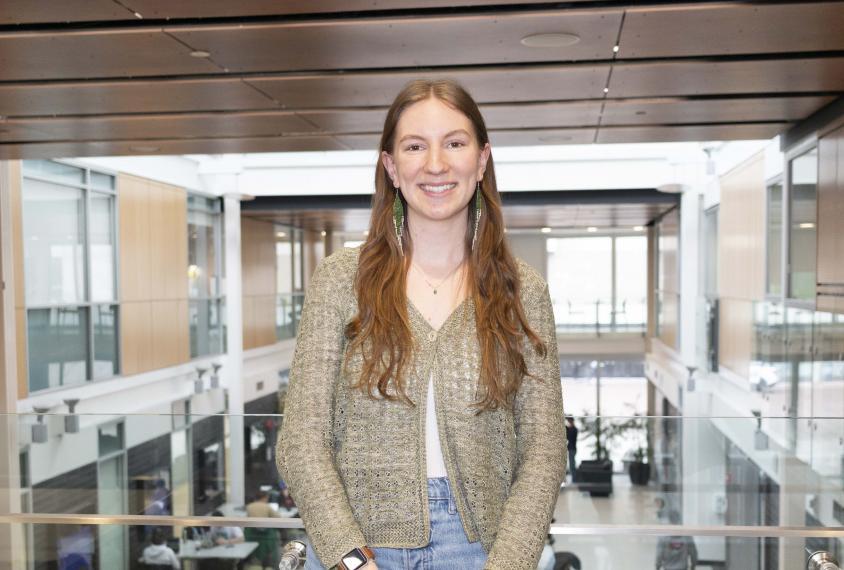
(356, 465)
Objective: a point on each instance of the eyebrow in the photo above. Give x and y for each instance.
(448, 134)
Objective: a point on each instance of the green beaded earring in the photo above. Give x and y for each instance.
(479, 206)
(398, 219)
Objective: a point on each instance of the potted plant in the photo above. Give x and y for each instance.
(639, 470)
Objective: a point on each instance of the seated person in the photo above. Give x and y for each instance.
(226, 534)
(158, 552)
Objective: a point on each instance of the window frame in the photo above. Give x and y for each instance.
(87, 188)
(799, 149)
(783, 276)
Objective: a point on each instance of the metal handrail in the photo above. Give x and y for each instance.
(822, 560)
(555, 529)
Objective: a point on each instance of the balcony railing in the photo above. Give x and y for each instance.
(600, 316)
(728, 491)
(288, 312)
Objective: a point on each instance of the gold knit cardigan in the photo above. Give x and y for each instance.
(356, 465)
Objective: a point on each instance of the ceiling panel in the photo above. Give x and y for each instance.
(402, 42)
(690, 133)
(95, 97)
(728, 29)
(541, 136)
(652, 111)
(727, 77)
(163, 126)
(489, 85)
(496, 116)
(39, 11)
(167, 147)
(95, 53)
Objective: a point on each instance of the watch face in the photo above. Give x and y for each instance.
(354, 559)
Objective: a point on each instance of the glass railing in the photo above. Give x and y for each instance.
(97, 489)
(600, 316)
(288, 313)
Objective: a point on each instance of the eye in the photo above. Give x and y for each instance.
(413, 147)
(455, 144)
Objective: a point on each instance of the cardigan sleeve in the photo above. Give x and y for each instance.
(541, 443)
(305, 454)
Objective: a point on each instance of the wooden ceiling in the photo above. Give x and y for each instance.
(109, 77)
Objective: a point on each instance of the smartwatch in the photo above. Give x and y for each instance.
(355, 558)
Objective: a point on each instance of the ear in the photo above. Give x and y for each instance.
(483, 159)
(390, 166)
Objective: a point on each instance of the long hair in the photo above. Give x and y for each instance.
(381, 329)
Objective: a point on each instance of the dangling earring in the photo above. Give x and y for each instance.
(398, 220)
(478, 210)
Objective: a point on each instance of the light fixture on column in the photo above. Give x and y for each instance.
(198, 384)
(215, 375)
(690, 380)
(760, 438)
(71, 420)
(39, 429)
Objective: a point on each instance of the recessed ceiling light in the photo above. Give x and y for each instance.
(200, 53)
(552, 40)
(546, 230)
(638, 228)
(606, 89)
(281, 234)
(138, 16)
(591, 229)
(322, 233)
(807, 226)
(615, 49)
(144, 148)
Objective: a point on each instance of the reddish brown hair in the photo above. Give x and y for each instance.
(381, 329)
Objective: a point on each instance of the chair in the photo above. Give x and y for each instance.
(145, 566)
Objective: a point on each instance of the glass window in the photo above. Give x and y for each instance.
(69, 264)
(102, 248)
(580, 280)
(802, 233)
(54, 243)
(58, 347)
(54, 171)
(774, 239)
(110, 438)
(105, 362)
(205, 276)
(631, 282)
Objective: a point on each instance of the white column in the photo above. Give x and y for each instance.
(234, 337)
(690, 202)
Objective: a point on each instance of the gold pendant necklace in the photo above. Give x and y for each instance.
(431, 285)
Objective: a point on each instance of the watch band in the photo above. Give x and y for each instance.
(363, 555)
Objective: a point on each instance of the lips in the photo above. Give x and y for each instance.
(438, 188)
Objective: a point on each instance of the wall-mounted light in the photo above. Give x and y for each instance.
(39, 429)
(71, 420)
(760, 438)
(690, 381)
(198, 384)
(215, 376)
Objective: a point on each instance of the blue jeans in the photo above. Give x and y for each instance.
(448, 548)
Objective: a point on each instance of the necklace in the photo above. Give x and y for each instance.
(431, 285)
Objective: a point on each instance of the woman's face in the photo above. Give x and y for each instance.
(436, 160)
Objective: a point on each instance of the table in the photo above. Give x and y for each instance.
(233, 553)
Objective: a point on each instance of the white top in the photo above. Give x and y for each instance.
(433, 451)
(160, 554)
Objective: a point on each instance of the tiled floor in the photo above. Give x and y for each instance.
(627, 505)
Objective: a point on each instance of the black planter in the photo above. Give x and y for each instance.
(640, 473)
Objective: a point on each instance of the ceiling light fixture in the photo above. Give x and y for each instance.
(281, 234)
(551, 40)
(200, 53)
(806, 226)
(138, 16)
(591, 229)
(606, 89)
(615, 49)
(322, 233)
(638, 228)
(546, 230)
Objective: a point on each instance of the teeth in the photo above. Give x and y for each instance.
(440, 188)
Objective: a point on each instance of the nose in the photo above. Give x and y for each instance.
(435, 163)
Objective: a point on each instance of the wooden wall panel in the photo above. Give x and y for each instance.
(735, 335)
(741, 231)
(830, 233)
(668, 280)
(153, 284)
(20, 348)
(14, 173)
(258, 259)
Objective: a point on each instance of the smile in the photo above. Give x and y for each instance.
(437, 188)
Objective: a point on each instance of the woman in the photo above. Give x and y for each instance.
(424, 417)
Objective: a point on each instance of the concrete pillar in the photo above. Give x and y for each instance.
(234, 360)
(690, 211)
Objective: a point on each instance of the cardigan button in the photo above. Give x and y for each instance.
(432, 335)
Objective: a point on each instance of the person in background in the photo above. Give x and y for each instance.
(158, 552)
(676, 552)
(571, 443)
(226, 534)
(268, 552)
